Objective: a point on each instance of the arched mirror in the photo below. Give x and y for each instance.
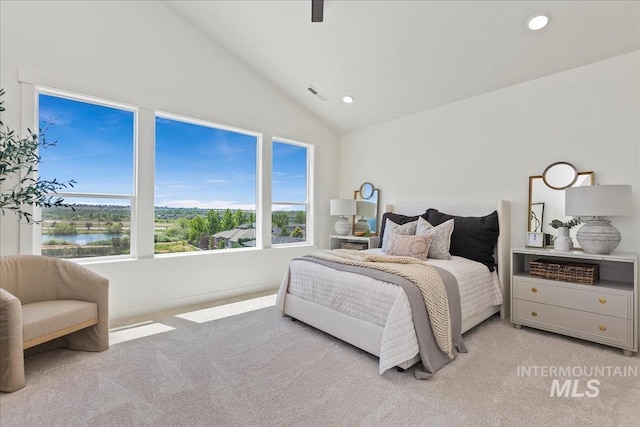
(546, 196)
(366, 219)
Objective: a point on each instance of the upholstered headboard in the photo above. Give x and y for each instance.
(474, 208)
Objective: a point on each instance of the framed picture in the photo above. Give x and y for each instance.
(535, 240)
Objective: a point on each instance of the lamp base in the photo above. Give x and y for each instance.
(361, 226)
(598, 236)
(342, 226)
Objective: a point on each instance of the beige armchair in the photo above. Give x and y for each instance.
(42, 299)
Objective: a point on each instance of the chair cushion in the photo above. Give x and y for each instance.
(42, 318)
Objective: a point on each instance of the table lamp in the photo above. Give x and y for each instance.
(342, 208)
(593, 202)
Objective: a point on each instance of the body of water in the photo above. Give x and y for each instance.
(81, 239)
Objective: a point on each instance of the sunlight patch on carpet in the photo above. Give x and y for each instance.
(137, 330)
(228, 310)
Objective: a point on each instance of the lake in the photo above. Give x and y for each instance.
(81, 239)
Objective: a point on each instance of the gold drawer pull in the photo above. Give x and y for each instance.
(602, 328)
(534, 290)
(534, 314)
(603, 300)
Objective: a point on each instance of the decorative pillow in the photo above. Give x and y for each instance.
(392, 228)
(474, 238)
(441, 237)
(413, 246)
(398, 219)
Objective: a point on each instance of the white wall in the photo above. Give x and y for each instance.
(141, 53)
(486, 147)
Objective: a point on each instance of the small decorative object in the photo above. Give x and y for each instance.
(535, 240)
(563, 241)
(598, 236)
(342, 208)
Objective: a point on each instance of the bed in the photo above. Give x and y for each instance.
(374, 313)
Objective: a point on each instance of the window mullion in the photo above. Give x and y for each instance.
(142, 206)
(263, 211)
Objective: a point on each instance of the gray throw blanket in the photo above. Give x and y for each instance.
(432, 357)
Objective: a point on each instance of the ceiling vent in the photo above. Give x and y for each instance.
(316, 93)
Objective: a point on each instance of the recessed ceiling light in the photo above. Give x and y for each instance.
(538, 21)
(347, 99)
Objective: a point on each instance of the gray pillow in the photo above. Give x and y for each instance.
(441, 237)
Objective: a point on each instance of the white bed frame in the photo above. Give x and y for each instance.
(368, 336)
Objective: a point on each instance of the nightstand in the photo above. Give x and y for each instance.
(606, 312)
(357, 242)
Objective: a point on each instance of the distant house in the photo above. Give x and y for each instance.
(234, 236)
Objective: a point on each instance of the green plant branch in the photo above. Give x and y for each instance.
(19, 162)
(556, 223)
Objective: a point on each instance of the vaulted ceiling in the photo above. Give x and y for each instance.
(401, 57)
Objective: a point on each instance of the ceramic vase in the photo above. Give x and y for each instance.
(563, 241)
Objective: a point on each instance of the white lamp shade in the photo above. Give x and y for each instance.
(342, 207)
(365, 209)
(598, 201)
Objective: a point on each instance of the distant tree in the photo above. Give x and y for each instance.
(297, 232)
(213, 219)
(198, 227)
(183, 223)
(252, 219)
(221, 244)
(114, 229)
(63, 228)
(300, 218)
(281, 219)
(88, 224)
(239, 218)
(227, 220)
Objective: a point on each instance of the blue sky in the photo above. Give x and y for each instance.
(196, 166)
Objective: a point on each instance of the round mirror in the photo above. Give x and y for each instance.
(366, 190)
(560, 175)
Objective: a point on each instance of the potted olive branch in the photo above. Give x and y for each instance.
(563, 241)
(19, 186)
(556, 223)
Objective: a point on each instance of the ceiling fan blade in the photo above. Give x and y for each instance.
(317, 7)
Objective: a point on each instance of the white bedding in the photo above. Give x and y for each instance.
(386, 304)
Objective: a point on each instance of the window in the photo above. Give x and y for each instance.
(205, 186)
(289, 190)
(94, 147)
(205, 180)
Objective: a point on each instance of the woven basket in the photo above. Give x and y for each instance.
(574, 272)
(354, 245)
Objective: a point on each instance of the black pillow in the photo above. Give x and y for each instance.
(398, 219)
(474, 238)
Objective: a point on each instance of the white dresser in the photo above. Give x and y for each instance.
(606, 312)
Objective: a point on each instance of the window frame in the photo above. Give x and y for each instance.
(309, 223)
(69, 195)
(214, 125)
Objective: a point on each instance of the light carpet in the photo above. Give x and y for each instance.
(261, 369)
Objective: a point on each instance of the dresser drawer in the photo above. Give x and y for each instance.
(594, 299)
(580, 324)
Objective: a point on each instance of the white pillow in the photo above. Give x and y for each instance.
(441, 237)
(391, 227)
